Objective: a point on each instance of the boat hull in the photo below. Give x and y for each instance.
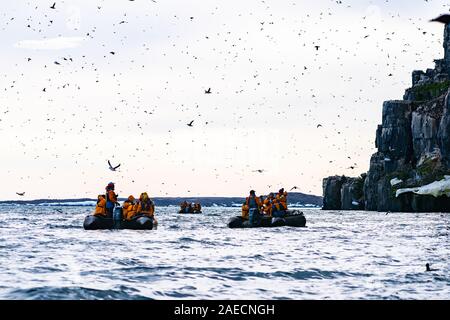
(293, 218)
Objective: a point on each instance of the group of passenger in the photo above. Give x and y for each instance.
(253, 208)
(188, 207)
(131, 207)
(271, 205)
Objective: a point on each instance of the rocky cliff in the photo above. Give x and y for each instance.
(411, 169)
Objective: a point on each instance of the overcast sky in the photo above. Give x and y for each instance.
(123, 78)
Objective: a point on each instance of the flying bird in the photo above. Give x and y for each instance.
(259, 170)
(294, 187)
(53, 6)
(317, 47)
(319, 125)
(59, 210)
(208, 91)
(190, 123)
(20, 193)
(444, 18)
(111, 167)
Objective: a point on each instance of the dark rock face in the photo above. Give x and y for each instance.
(352, 196)
(343, 193)
(332, 192)
(443, 134)
(413, 143)
(447, 47)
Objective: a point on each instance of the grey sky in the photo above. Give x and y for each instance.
(270, 89)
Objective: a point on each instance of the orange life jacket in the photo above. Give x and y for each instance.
(245, 210)
(100, 208)
(111, 196)
(257, 200)
(129, 210)
(267, 206)
(146, 207)
(282, 201)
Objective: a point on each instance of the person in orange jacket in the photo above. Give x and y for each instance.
(197, 207)
(100, 208)
(129, 208)
(267, 204)
(280, 204)
(253, 206)
(146, 206)
(282, 199)
(111, 199)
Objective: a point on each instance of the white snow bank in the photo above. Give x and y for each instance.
(436, 188)
(396, 181)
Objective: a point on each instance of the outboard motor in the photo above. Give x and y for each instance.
(117, 217)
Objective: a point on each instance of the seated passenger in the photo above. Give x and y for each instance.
(146, 205)
(280, 204)
(100, 208)
(183, 207)
(245, 211)
(197, 207)
(129, 208)
(267, 204)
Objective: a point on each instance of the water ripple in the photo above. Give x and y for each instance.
(46, 254)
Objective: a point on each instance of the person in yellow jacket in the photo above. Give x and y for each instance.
(197, 207)
(280, 204)
(267, 204)
(129, 208)
(146, 206)
(282, 199)
(183, 206)
(100, 208)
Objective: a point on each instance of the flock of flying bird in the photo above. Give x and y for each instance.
(230, 57)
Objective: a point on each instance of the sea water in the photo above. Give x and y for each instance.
(46, 254)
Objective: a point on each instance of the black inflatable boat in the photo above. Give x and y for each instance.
(291, 218)
(189, 212)
(139, 222)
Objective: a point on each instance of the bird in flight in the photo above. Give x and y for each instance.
(208, 91)
(294, 187)
(59, 210)
(317, 47)
(351, 167)
(444, 18)
(53, 6)
(111, 167)
(319, 125)
(259, 170)
(190, 123)
(20, 193)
